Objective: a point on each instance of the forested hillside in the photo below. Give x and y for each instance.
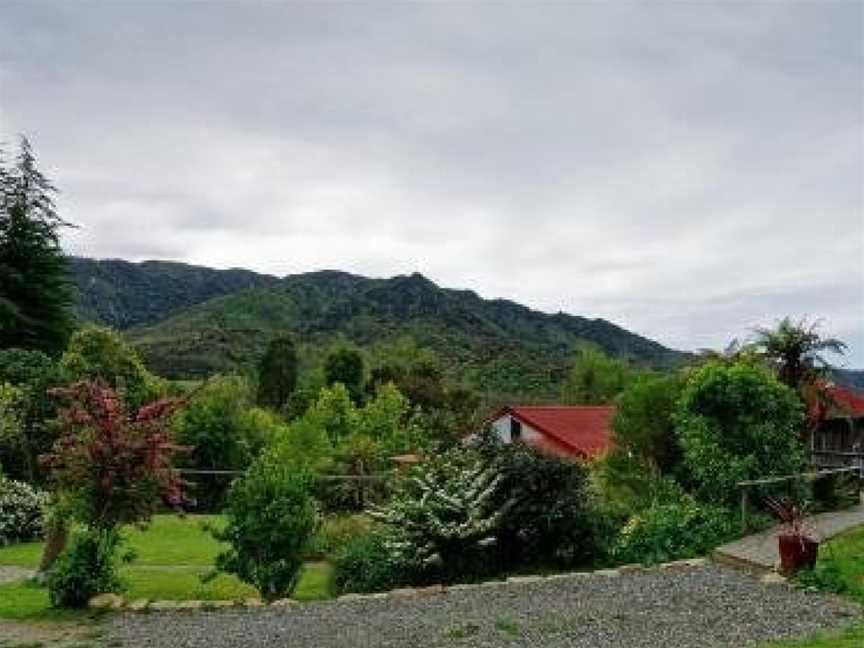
(495, 345)
(123, 294)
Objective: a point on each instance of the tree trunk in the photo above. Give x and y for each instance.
(55, 543)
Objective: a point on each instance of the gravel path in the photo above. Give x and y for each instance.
(704, 606)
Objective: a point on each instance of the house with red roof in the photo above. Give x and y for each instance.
(838, 437)
(581, 432)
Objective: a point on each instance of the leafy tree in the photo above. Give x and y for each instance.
(735, 423)
(99, 353)
(303, 446)
(33, 374)
(345, 365)
(270, 518)
(224, 432)
(109, 468)
(595, 379)
(644, 423)
(334, 412)
(796, 351)
(277, 373)
(35, 293)
(552, 513)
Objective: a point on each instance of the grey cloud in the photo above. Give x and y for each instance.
(686, 170)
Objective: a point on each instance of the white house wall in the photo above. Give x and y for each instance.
(501, 426)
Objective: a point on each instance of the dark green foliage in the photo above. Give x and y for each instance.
(35, 291)
(277, 373)
(88, 566)
(496, 347)
(554, 517)
(121, 294)
(270, 518)
(836, 491)
(364, 565)
(643, 425)
(669, 531)
(738, 422)
(299, 403)
(345, 365)
(33, 373)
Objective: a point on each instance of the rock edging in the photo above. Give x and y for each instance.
(116, 602)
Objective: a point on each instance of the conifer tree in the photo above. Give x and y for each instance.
(277, 373)
(35, 293)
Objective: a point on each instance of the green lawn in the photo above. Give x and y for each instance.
(171, 556)
(845, 554)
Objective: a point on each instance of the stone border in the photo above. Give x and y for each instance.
(117, 603)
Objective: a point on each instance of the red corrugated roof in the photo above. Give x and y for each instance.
(848, 403)
(585, 431)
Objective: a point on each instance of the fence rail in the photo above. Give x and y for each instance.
(747, 484)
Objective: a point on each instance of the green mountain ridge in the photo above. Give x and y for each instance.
(189, 321)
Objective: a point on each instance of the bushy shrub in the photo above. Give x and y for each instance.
(270, 517)
(444, 517)
(21, 511)
(365, 564)
(553, 516)
(738, 422)
(674, 530)
(88, 566)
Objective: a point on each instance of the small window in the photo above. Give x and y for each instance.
(515, 429)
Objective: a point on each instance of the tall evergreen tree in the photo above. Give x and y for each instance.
(277, 372)
(345, 365)
(35, 292)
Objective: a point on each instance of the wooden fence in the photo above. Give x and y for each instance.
(747, 485)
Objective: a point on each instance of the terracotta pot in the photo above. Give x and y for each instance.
(796, 552)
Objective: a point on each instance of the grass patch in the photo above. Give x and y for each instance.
(168, 540)
(316, 582)
(171, 556)
(25, 554)
(508, 626)
(29, 602)
(178, 584)
(174, 540)
(851, 638)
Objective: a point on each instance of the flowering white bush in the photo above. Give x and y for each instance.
(21, 511)
(444, 513)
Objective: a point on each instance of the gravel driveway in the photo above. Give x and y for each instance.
(698, 606)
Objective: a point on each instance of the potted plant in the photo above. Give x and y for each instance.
(797, 546)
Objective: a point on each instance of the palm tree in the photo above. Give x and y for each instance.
(796, 352)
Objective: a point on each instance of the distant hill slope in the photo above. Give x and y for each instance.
(123, 294)
(190, 321)
(850, 379)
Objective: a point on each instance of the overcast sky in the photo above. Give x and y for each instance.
(686, 170)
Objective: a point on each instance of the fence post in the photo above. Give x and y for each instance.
(744, 509)
(860, 472)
